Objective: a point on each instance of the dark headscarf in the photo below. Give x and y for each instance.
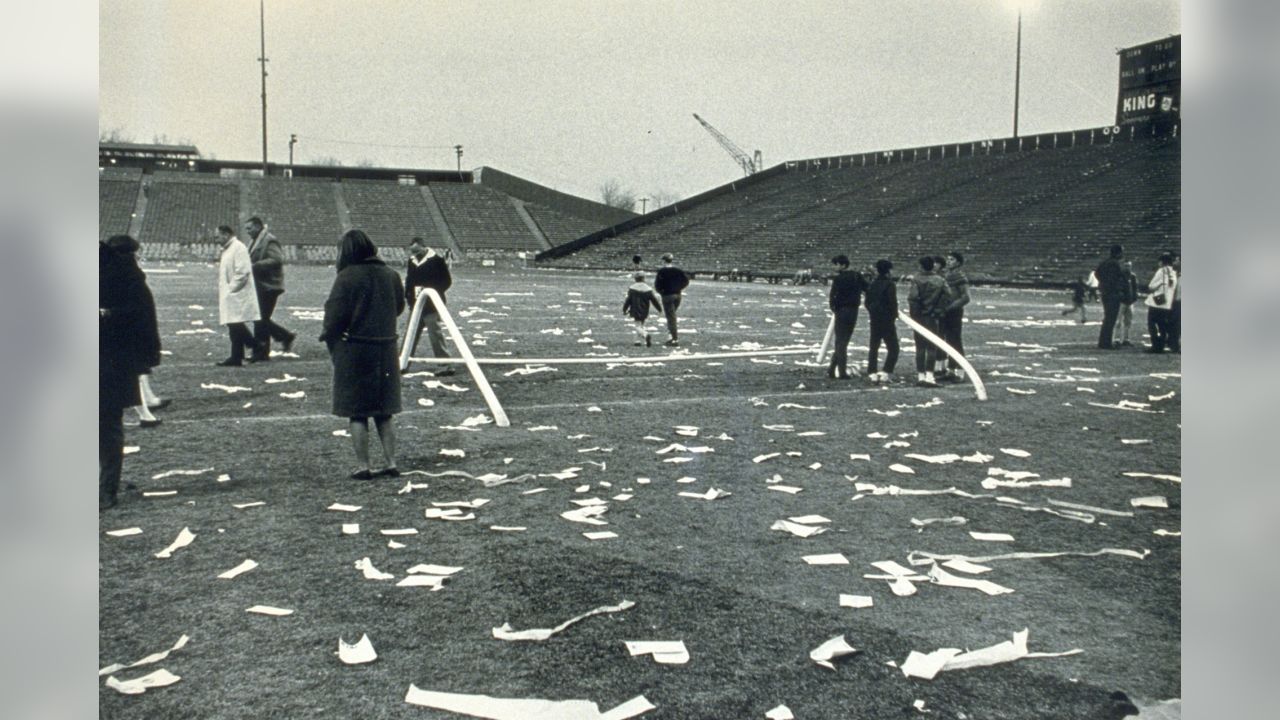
(355, 247)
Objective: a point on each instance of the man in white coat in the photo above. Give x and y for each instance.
(1159, 304)
(237, 296)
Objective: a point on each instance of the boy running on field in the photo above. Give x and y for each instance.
(639, 298)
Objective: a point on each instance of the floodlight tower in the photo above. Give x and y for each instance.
(262, 58)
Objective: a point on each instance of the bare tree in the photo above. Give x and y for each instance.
(114, 135)
(366, 163)
(614, 195)
(662, 198)
(326, 160)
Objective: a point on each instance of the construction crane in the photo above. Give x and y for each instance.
(749, 165)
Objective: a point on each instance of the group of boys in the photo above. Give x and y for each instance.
(936, 301)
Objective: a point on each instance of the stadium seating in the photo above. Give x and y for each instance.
(559, 227)
(298, 211)
(391, 214)
(1041, 215)
(117, 196)
(482, 218)
(187, 208)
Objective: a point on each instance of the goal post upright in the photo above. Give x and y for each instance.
(499, 415)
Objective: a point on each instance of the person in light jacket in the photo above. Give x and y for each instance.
(1160, 303)
(237, 296)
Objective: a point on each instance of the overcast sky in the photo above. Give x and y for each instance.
(571, 93)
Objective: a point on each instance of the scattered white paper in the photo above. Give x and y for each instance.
(1170, 478)
(710, 494)
(484, 706)
(359, 653)
(229, 389)
(240, 569)
(856, 601)
(830, 650)
(899, 467)
(942, 577)
(340, 507)
(828, 559)
(152, 658)
(782, 712)
(505, 632)
(429, 569)
(435, 582)
(185, 536)
(589, 515)
(365, 566)
(268, 610)
(762, 458)
(600, 535)
(137, 686)
(126, 532)
(171, 473)
(244, 506)
(789, 489)
(664, 652)
(990, 536)
(351, 528)
(797, 529)
(1152, 501)
(1015, 452)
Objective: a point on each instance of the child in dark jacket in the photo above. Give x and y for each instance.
(639, 298)
(882, 309)
(1078, 287)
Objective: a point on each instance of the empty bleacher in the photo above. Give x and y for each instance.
(117, 196)
(187, 208)
(1040, 215)
(390, 213)
(298, 211)
(481, 218)
(559, 227)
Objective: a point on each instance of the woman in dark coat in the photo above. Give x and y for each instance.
(360, 331)
(128, 345)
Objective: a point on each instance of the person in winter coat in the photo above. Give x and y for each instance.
(1127, 299)
(639, 298)
(927, 300)
(128, 345)
(360, 332)
(1111, 281)
(670, 282)
(127, 248)
(844, 300)
(952, 322)
(268, 281)
(427, 269)
(1160, 303)
(237, 297)
(882, 311)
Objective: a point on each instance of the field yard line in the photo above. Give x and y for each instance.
(643, 401)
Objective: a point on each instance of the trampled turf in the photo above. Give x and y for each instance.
(710, 573)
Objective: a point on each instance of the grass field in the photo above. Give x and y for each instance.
(708, 572)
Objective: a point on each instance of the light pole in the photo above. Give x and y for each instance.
(1017, 74)
(644, 204)
(262, 25)
(293, 140)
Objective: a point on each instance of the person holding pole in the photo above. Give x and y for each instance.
(360, 332)
(426, 268)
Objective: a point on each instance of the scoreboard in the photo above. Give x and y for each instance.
(1150, 82)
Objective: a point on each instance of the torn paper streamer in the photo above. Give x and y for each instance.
(240, 569)
(664, 652)
(152, 658)
(990, 536)
(484, 706)
(942, 577)
(185, 536)
(899, 467)
(919, 557)
(429, 569)
(1170, 478)
(171, 473)
(359, 653)
(506, 632)
(927, 666)
(268, 610)
(339, 507)
(126, 532)
(830, 650)
(137, 686)
(225, 388)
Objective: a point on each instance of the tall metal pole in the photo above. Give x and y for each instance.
(1018, 71)
(458, 150)
(262, 25)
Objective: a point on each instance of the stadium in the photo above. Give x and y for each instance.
(785, 544)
